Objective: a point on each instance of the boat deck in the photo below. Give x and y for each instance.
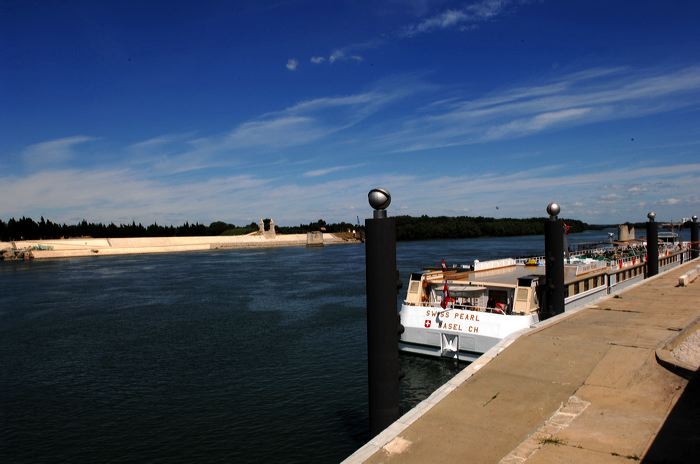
(507, 275)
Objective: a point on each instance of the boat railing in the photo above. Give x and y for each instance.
(461, 307)
(627, 261)
(589, 267)
(539, 260)
(589, 251)
(493, 264)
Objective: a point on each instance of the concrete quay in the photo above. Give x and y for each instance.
(607, 383)
(77, 247)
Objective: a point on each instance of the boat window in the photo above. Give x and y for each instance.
(496, 297)
(521, 295)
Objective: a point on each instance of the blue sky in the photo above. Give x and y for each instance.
(202, 111)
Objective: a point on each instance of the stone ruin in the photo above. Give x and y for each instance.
(270, 232)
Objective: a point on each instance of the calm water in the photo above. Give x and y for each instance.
(226, 356)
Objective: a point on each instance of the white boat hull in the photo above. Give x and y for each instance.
(456, 333)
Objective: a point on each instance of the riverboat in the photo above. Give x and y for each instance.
(462, 311)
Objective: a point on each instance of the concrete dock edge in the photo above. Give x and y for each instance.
(389, 437)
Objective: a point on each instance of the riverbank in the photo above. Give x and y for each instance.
(540, 397)
(77, 247)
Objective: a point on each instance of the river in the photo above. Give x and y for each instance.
(222, 356)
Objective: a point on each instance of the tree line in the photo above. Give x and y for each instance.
(28, 229)
(426, 227)
(407, 228)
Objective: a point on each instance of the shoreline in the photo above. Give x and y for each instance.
(80, 247)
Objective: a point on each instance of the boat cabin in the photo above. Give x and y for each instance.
(507, 290)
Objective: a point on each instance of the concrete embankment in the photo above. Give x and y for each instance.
(594, 385)
(67, 248)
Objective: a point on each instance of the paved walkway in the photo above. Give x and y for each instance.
(586, 388)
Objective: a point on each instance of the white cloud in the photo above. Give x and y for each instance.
(285, 130)
(464, 18)
(349, 52)
(535, 123)
(150, 184)
(306, 121)
(573, 99)
(123, 195)
(263, 138)
(159, 142)
(610, 198)
(443, 20)
(330, 170)
(53, 152)
(292, 64)
(336, 55)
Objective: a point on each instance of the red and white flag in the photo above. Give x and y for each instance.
(445, 296)
(444, 265)
(567, 228)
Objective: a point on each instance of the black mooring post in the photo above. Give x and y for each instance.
(554, 262)
(382, 334)
(694, 245)
(652, 246)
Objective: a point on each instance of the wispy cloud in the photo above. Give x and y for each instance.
(535, 123)
(351, 52)
(444, 20)
(329, 170)
(526, 193)
(123, 195)
(151, 180)
(306, 122)
(573, 99)
(53, 152)
(342, 55)
(463, 18)
(292, 64)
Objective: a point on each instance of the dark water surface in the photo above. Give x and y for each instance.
(225, 356)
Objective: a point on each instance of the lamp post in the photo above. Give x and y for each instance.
(695, 246)
(554, 262)
(652, 245)
(382, 327)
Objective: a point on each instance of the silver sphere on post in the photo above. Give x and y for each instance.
(651, 216)
(553, 210)
(379, 200)
(695, 218)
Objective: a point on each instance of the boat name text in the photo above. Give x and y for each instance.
(458, 327)
(456, 315)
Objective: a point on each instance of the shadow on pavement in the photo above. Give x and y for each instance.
(678, 440)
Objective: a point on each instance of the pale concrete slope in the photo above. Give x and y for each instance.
(47, 249)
